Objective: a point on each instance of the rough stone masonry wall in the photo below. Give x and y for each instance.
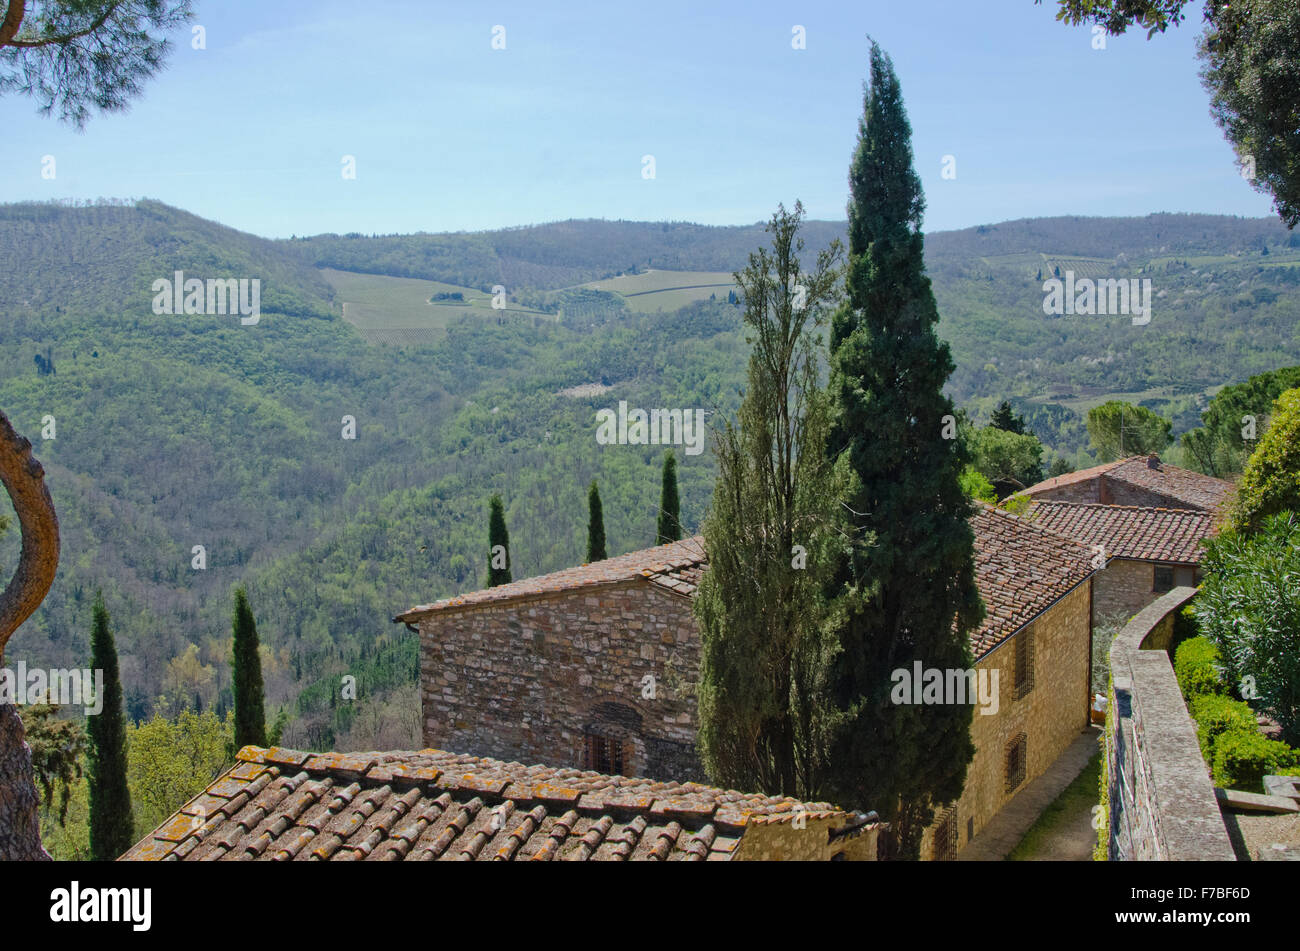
(1162, 803)
(1126, 586)
(1073, 492)
(521, 680)
(1115, 492)
(1051, 716)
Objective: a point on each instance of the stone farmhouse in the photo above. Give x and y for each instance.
(1147, 551)
(1145, 520)
(284, 805)
(590, 667)
(1142, 481)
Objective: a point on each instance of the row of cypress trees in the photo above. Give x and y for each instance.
(112, 819)
(668, 528)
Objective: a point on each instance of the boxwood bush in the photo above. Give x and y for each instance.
(1198, 667)
(1216, 715)
(1242, 758)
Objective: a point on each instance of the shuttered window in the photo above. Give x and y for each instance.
(943, 848)
(1024, 663)
(1015, 762)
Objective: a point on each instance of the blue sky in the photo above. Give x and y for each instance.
(450, 134)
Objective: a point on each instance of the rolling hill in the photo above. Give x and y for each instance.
(175, 431)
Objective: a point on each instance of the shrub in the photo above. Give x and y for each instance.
(1242, 758)
(1249, 607)
(1271, 482)
(1184, 627)
(1197, 665)
(1216, 715)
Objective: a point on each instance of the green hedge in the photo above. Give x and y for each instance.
(1216, 715)
(1197, 665)
(1242, 759)
(1184, 627)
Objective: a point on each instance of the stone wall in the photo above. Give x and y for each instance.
(524, 680)
(1126, 586)
(1051, 715)
(1107, 491)
(1162, 803)
(1115, 492)
(1088, 491)
(521, 680)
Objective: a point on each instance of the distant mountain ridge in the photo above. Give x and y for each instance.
(571, 252)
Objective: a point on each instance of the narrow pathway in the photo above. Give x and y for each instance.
(1009, 826)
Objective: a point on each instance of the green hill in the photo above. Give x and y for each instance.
(175, 431)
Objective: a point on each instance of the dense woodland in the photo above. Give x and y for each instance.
(175, 431)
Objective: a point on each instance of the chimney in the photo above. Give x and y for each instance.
(1153, 461)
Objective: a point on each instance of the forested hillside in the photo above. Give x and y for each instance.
(178, 431)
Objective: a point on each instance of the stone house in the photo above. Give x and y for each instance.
(284, 805)
(586, 667)
(1142, 481)
(1146, 551)
(1145, 519)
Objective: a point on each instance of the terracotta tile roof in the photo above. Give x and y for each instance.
(1072, 478)
(1193, 489)
(1189, 489)
(1021, 569)
(675, 567)
(1126, 531)
(284, 805)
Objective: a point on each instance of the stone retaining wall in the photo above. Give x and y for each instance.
(1162, 803)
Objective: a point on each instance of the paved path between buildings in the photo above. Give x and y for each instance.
(996, 840)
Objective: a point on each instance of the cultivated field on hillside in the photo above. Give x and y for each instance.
(402, 310)
(654, 291)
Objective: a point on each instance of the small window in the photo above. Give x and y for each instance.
(943, 847)
(604, 754)
(1024, 663)
(1163, 579)
(1015, 762)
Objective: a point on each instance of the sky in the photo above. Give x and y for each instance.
(449, 134)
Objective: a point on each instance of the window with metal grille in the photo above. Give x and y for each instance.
(1015, 761)
(1024, 663)
(943, 847)
(1162, 579)
(604, 754)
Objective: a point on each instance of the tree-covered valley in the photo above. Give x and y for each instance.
(176, 431)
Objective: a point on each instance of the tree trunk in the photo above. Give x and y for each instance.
(24, 480)
(20, 821)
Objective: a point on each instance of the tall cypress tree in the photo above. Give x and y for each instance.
(906, 583)
(250, 713)
(595, 526)
(498, 544)
(773, 517)
(112, 823)
(670, 505)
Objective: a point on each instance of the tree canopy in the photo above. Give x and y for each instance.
(1118, 429)
(75, 56)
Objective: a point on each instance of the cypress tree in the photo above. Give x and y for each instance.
(670, 525)
(498, 544)
(1006, 419)
(905, 584)
(773, 517)
(112, 822)
(250, 713)
(595, 526)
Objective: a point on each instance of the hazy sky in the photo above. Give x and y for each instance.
(450, 134)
